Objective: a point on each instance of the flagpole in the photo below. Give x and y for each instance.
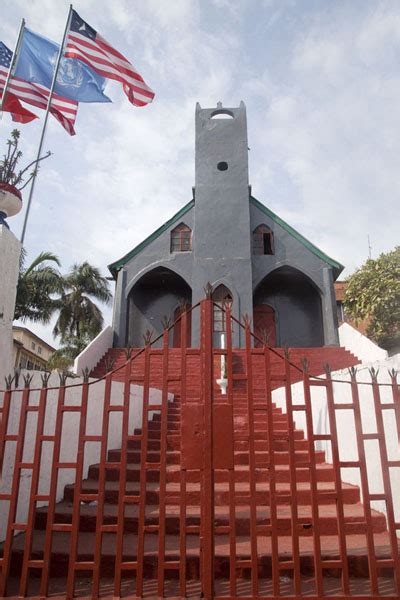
(53, 84)
(13, 64)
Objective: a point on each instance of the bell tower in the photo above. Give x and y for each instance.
(222, 237)
(222, 183)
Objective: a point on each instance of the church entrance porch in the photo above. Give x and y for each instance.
(292, 309)
(158, 295)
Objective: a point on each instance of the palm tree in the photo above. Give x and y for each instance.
(37, 285)
(63, 358)
(79, 316)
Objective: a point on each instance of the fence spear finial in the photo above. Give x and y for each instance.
(27, 380)
(147, 337)
(45, 378)
(208, 290)
(9, 381)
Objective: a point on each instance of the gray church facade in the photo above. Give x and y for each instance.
(226, 237)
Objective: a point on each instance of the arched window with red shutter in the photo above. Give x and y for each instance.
(263, 240)
(181, 238)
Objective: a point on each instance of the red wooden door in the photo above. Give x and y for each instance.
(177, 329)
(264, 322)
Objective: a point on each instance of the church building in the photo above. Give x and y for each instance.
(226, 237)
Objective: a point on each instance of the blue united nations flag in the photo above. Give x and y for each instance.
(75, 80)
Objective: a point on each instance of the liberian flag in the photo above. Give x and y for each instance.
(19, 113)
(85, 44)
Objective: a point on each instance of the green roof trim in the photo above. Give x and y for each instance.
(117, 265)
(337, 267)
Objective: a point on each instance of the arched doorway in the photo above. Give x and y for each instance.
(296, 303)
(221, 297)
(155, 296)
(264, 324)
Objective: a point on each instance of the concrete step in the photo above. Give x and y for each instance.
(173, 493)
(281, 443)
(262, 459)
(133, 456)
(327, 522)
(260, 432)
(358, 586)
(357, 561)
(324, 472)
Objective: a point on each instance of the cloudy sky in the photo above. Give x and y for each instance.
(321, 82)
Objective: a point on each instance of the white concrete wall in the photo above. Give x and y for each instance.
(90, 356)
(10, 250)
(346, 427)
(69, 439)
(361, 346)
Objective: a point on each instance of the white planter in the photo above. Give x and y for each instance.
(223, 384)
(10, 200)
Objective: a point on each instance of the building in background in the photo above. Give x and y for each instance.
(29, 350)
(340, 290)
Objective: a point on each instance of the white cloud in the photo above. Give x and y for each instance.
(332, 132)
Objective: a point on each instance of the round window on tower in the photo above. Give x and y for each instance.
(222, 166)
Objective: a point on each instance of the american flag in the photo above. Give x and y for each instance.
(62, 109)
(87, 45)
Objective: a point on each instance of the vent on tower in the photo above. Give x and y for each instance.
(222, 114)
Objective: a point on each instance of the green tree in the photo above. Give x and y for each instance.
(80, 319)
(37, 286)
(63, 358)
(373, 293)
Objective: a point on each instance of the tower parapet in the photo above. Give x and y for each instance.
(221, 146)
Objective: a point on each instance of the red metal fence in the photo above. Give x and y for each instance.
(174, 489)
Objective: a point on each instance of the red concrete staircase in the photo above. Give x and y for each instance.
(355, 523)
(353, 510)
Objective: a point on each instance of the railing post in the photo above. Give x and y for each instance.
(386, 480)
(183, 471)
(4, 416)
(15, 488)
(373, 574)
(396, 400)
(252, 460)
(207, 496)
(162, 530)
(125, 438)
(143, 469)
(293, 477)
(232, 506)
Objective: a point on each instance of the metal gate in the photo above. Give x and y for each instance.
(153, 482)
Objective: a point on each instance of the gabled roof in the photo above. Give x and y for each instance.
(336, 266)
(118, 264)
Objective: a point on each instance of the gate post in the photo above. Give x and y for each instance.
(207, 495)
